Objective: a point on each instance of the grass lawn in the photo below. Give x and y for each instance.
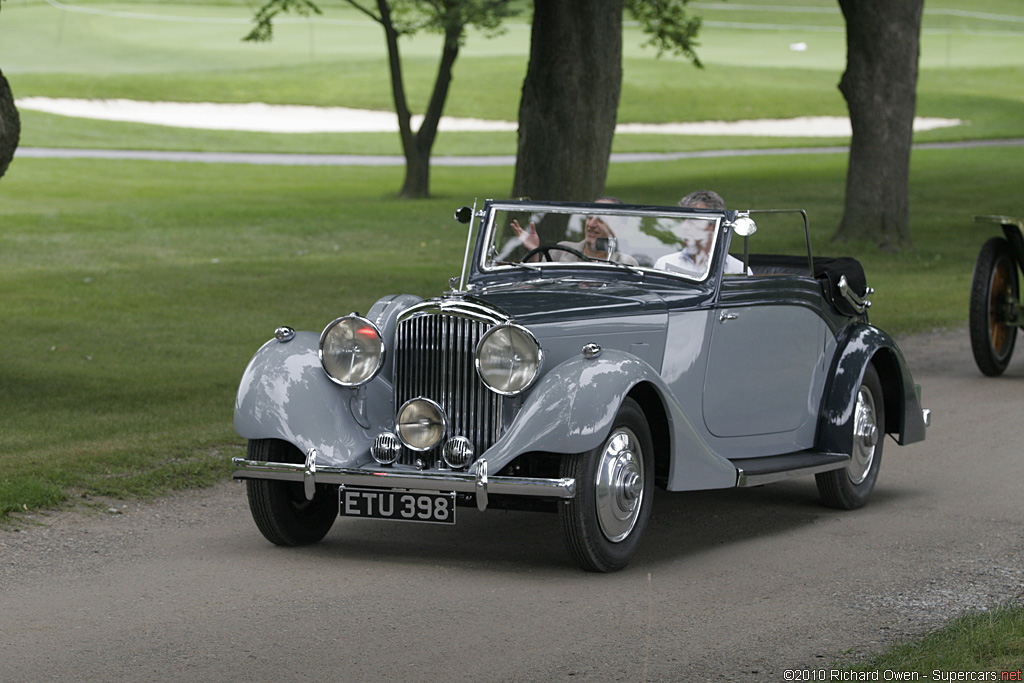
(989, 643)
(137, 291)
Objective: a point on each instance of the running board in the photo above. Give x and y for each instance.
(771, 468)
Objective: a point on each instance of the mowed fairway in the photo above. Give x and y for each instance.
(135, 292)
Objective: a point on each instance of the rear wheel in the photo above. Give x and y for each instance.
(606, 520)
(280, 508)
(849, 488)
(994, 297)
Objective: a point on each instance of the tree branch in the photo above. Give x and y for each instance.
(263, 31)
(428, 128)
(668, 25)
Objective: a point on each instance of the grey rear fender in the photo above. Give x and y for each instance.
(903, 414)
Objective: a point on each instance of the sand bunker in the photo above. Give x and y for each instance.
(257, 117)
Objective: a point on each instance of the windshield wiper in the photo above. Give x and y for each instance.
(517, 264)
(633, 269)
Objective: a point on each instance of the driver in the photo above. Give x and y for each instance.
(595, 242)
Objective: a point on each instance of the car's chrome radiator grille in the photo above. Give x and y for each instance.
(434, 358)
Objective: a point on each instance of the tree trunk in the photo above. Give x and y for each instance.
(879, 84)
(10, 125)
(417, 164)
(417, 145)
(570, 100)
(412, 161)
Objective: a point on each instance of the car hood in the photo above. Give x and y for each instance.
(545, 301)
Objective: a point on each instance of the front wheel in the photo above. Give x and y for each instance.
(604, 523)
(280, 508)
(993, 313)
(849, 488)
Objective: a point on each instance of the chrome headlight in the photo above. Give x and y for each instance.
(351, 350)
(421, 424)
(508, 359)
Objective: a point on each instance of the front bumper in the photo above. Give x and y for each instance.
(474, 481)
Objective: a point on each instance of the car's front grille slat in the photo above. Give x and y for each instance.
(434, 358)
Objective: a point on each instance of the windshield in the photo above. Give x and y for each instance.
(679, 241)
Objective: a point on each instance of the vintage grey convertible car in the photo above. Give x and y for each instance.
(586, 354)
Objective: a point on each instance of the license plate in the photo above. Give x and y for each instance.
(402, 506)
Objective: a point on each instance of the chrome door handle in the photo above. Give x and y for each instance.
(727, 316)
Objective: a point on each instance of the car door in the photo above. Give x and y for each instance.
(767, 360)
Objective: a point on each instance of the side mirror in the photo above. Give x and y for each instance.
(464, 215)
(744, 226)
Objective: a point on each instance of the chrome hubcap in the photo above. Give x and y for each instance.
(620, 484)
(865, 437)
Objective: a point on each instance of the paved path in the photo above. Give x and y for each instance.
(737, 585)
(397, 160)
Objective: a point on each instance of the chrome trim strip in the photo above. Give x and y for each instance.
(456, 307)
(460, 482)
(744, 480)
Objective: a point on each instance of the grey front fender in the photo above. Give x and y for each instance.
(572, 408)
(285, 394)
(904, 417)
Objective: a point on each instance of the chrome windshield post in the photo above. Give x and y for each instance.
(464, 216)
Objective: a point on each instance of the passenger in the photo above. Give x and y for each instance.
(599, 240)
(697, 237)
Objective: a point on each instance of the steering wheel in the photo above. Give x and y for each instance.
(545, 249)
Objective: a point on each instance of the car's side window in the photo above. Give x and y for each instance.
(739, 250)
(779, 247)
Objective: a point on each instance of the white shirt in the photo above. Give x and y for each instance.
(681, 262)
